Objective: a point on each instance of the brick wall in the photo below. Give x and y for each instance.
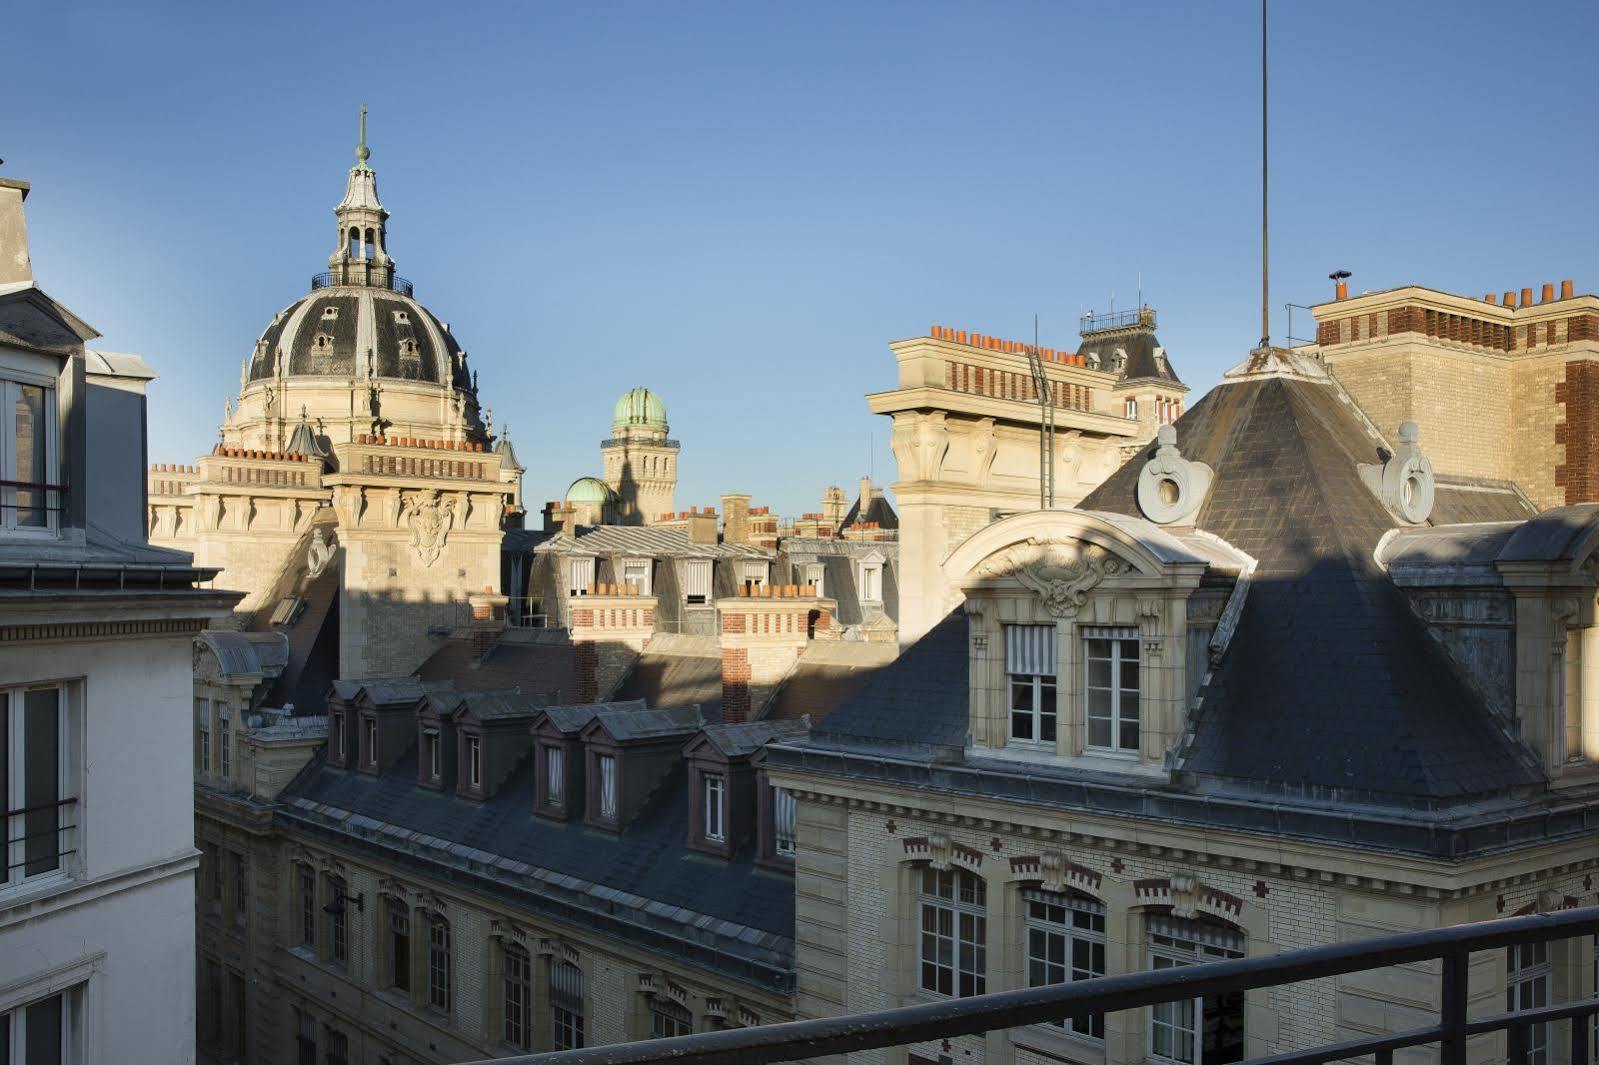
(1578, 398)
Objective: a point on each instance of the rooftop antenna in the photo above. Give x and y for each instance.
(1046, 424)
(1140, 290)
(1265, 272)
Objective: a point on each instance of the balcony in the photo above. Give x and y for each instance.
(394, 282)
(1009, 1009)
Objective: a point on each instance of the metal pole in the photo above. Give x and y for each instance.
(1265, 271)
(1452, 1012)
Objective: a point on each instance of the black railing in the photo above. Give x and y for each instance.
(396, 283)
(41, 499)
(521, 612)
(36, 825)
(1093, 323)
(1046, 1005)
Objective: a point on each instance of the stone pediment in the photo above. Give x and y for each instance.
(1061, 573)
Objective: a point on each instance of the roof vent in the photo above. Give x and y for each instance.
(1170, 487)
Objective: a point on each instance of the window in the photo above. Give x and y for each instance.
(1066, 942)
(715, 828)
(338, 1047)
(27, 456)
(752, 574)
(371, 729)
(872, 582)
(607, 786)
(307, 884)
(474, 761)
(241, 888)
(954, 932)
(582, 575)
(1208, 1030)
(430, 744)
(1030, 662)
(636, 572)
(304, 1037)
(814, 572)
(211, 866)
(566, 1005)
(1528, 974)
(39, 1033)
(399, 959)
(668, 1018)
(338, 736)
(339, 920)
(517, 992)
(1112, 686)
(1131, 408)
(439, 963)
(34, 781)
(554, 776)
(202, 716)
(697, 581)
(783, 811)
(225, 762)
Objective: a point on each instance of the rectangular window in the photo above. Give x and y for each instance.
(1030, 663)
(339, 920)
(241, 888)
(399, 974)
(212, 867)
(752, 574)
(697, 580)
(38, 1033)
(474, 761)
(307, 884)
(566, 1006)
(815, 577)
(304, 1037)
(715, 829)
(636, 572)
(668, 1019)
(582, 574)
(783, 811)
(338, 736)
(1208, 1030)
(439, 963)
(430, 744)
(28, 499)
(338, 1047)
(954, 932)
(1066, 942)
(202, 717)
(371, 741)
(35, 786)
(554, 776)
(1131, 408)
(872, 584)
(607, 786)
(518, 996)
(224, 769)
(1112, 686)
(1528, 977)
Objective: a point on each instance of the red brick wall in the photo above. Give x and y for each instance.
(585, 664)
(1578, 396)
(735, 684)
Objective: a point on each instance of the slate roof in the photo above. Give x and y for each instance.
(1140, 348)
(572, 719)
(878, 510)
(628, 723)
(677, 671)
(265, 653)
(746, 737)
(531, 660)
(1471, 499)
(828, 673)
(652, 541)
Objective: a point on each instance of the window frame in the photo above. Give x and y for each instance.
(667, 1016)
(20, 819)
(1167, 1014)
(338, 921)
(397, 930)
(202, 754)
(369, 736)
(12, 379)
(440, 985)
(965, 931)
(568, 1011)
(306, 889)
(554, 775)
(1530, 984)
(1118, 719)
(516, 995)
(1039, 692)
(782, 799)
(713, 789)
(1037, 927)
(16, 1025)
(608, 787)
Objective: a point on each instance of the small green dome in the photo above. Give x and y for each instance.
(639, 406)
(589, 490)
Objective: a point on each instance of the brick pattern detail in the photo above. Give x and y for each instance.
(585, 664)
(735, 684)
(1578, 397)
(1582, 327)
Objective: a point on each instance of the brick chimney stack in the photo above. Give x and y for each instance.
(15, 265)
(488, 619)
(763, 633)
(701, 525)
(609, 629)
(736, 518)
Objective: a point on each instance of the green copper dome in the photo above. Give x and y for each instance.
(639, 406)
(589, 490)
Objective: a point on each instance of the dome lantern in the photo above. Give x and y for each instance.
(361, 255)
(639, 407)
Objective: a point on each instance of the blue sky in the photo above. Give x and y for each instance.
(740, 206)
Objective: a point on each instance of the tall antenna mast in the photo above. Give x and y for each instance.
(1046, 424)
(1265, 271)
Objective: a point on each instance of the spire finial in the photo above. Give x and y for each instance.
(362, 152)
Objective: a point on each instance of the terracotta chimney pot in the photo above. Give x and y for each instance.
(1342, 292)
(1548, 293)
(1490, 298)
(1526, 297)
(1510, 299)
(1568, 289)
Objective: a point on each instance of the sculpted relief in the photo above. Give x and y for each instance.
(430, 519)
(1060, 573)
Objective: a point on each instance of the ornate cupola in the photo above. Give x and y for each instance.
(361, 255)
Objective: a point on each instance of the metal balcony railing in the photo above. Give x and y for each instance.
(1010, 1009)
(521, 612)
(39, 846)
(396, 283)
(1093, 323)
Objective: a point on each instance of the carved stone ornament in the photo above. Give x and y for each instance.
(431, 519)
(320, 553)
(1405, 482)
(1050, 570)
(1170, 487)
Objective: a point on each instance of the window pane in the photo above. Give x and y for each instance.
(1098, 670)
(41, 769)
(1098, 733)
(42, 1031)
(30, 455)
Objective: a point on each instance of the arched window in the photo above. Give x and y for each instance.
(371, 245)
(1065, 942)
(517, 992)
(439, 963)
(953, 907)
(566, 1006)
(398, 943)
(668, 1018)
(1208, 1030)
(355, 243)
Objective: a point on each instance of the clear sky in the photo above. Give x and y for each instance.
(740, 206)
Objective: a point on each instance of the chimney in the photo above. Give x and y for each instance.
(763, 633)
(14, 262)
(866, 495)
(1526, 297)
(1510, 300)
(1490, 298)
(736, 518)
(1548, 293)
(1342, 291)
(608, 632)
(702, 525)
(488, 620)
(1568, 289)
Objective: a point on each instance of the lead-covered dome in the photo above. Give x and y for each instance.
(589, 491)
(335, 330)
(639, 406)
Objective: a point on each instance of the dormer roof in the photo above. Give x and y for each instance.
(625, 726)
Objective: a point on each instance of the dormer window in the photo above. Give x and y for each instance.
(433, 754)
(872, 579)
(814, 573)
(582, 574)
(697, 581)
(329, 313)
(1030, 666)
(607, 786)
(28, 500)
(784, 809)
(474, 761)
(323, 342)
(1112, 688)
(407, 349)
(555, 777)
(753, 574)
(369, 736)
(636, 573)
(402, 318)
(1093, 360)
(715, 810)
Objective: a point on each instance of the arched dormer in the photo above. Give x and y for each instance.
(1088, 634)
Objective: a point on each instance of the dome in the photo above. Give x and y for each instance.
(329, 332)
(589, 491)
(639, 406)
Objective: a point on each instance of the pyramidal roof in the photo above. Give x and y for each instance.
(1330, 683)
